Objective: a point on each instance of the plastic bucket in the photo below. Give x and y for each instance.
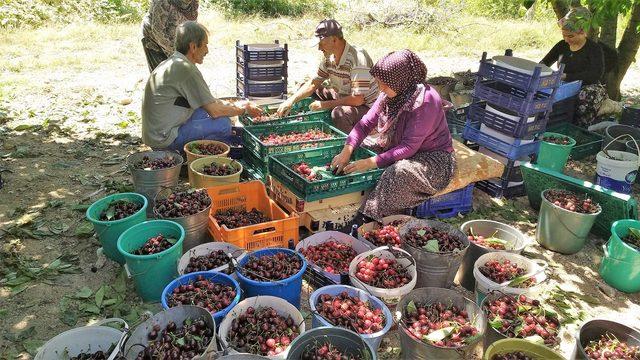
(417, 350)
(337, 236)
(622, 275)
(216, 277)
(516, 242)
(346, 341)
(562, 230)
(199, 180)
(617, 170)
(196, 226)
(150, 182)
(289, 289)
(139, 337)
(205, 249)
(554, 156)
(533, 350)
(594, 329)
(108, 232)
(364, 228)
(614, 139)
(435, 269)
(242, 357)
(484, 285)
(151, 273)
(389, 296)
(191, 156)
(372, 339)
(617, 248)
(281, 306)
(86, 339)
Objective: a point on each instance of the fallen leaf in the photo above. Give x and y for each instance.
(84, 230)
(68, 317)
(100, 296)
(83, 293)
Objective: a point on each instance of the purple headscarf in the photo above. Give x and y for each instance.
(402, 71)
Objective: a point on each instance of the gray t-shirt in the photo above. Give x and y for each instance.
(175, 80)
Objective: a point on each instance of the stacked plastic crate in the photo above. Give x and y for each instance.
(261, 70)
(510, 110)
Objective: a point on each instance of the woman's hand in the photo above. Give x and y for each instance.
(361, 165)
(285, 107)
(341, 160)
(252, 109)
(315, 106)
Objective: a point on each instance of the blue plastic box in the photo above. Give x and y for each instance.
(447, 205)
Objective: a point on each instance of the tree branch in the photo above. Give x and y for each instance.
(560, 7)
(630, 42)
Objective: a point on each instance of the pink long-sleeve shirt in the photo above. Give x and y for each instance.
(421, 126)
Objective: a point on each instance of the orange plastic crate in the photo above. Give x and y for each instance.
(252, 194)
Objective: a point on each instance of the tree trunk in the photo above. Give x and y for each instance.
(608, 31)
(560, 7)
(628, 48)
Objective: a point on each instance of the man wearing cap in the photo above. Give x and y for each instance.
(351, 90)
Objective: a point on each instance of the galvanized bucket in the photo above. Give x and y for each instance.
(242, 357)
(613, 132)
(435, 269)
(418, 350)
(593, 329)
(346, 341)
(515, 239)
(139, 337)
(150, 182)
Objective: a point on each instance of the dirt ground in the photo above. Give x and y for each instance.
(64, 136)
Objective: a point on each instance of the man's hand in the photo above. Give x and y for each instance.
(285, 107)
(315, 106)
(252, 109)
(361, 165)
(341, 160)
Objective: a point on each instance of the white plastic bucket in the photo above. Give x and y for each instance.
(484, 285)
(388, 296)
(620, 173)
(205, 249)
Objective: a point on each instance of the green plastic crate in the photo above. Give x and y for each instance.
(256, 165)
(587, 142)
(251, 137)
(615, 206)
(250, 172)
(331, 185)
(299, 112)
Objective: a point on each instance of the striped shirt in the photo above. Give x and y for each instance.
(351, 75)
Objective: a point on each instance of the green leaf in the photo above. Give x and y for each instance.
(421, 232)
(518, 280)
(83, 293)
(18, 289)
(411, 307)
(90, 308)
(537, 339)
(99, 296)
(109, 302)
(68, 317)
(180, 341)
(120, 285)
(432, 246)
(111, 211)
(496, 323)
(31, 346)
(22, 127)
(26, 333)
(439, 334)
(123, 124)
(172, 240)
(635, 232)
(55, 264)
(523, 308)
(472, 338)
(84, 230)
(80, 207)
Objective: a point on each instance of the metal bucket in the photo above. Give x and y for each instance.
(418, 350)
(614, 131)
(533, 350)
(593, 329)
(87, 339)
(486, 228)
(139, 337)
(562, 230)
(346, 341)
(435, 269)
(242, 357)
(150, 182)
(196, 226)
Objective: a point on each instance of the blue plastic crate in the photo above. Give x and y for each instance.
(246, 53)
(511, 98)
(513, 151)
(245, 71)
(567, 90)
(563, 111)
(447, 205)
(527, 82)
(519, 128)
(269, 89)
(501, 189)
(235, 142)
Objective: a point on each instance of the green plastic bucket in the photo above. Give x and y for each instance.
(151, 273)
(554, 156)
(622, 275)
(618, 249)
(108, 232)
(533, 350)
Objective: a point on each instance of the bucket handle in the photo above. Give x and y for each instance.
(621, 136)
(123, 337)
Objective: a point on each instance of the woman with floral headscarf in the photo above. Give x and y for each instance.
(414, 142)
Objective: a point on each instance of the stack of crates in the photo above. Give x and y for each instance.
(509, 112)
(261, 70)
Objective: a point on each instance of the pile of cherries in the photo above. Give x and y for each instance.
(570, 201)
(387, 235)
(215, 169)
(490, 242)
(262, 331)
(419, 237)
(559, 140)
(154, 245)
(500, 272)
(120, 209)
(424, 319)
(207, 148)
(214, 259)
(204, 293)
(98, 355)
(326, 351)
(350, 312)
(294, 137)
(266, 117)
(183, 203)
(382, 273)
(164, 162)
(235, 218)
(515, 355)
(173, 342)
(520, 316)
(274, 267)
(609, 347)
(306, 172)
(332, 256)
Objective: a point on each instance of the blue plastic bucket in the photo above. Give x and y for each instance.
(333, 290)
(288, 289)
(213, 276)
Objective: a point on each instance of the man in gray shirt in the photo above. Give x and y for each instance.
(178, 106)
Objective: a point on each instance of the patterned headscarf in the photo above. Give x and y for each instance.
(402, 71)
(576, 19)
